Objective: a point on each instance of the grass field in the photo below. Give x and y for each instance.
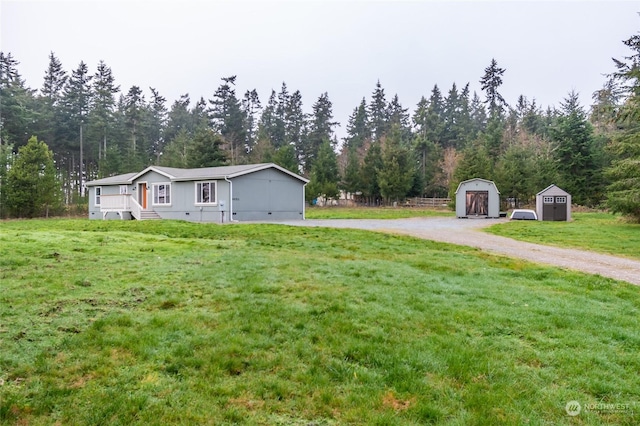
(175, 323)
(601, 232)
(373, 212)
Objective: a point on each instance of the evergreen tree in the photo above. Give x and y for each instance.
(378, 113)
(624, 172)
(104, 90)
(206, 150)
(574, 140)
(358, 130)
(50, 103)
(320, 129)
(295, 126)
(395, 178)
(490, 82)
(324, 176)
(371, 166)
(16, 104)
(250, 109)
(32, 187)
(156, 122)
(228, 119)
(77, 102)
(351, 182)
(134, 111)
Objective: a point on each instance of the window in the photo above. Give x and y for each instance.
(206, 192)
(548, 200)
(123, 189)
(98, 195)
(161, 193)
(561, 200)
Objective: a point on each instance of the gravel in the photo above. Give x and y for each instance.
(468, 232)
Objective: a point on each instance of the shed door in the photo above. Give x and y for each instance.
(477, 203)
(554, 208)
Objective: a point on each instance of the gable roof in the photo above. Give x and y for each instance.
(124, 179)
(477, 179)
(554, 190)
(177, 175)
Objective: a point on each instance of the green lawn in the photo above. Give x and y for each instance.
(373, 212)
(176, 323)
(601, 232)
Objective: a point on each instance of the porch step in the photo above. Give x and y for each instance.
(149, 215)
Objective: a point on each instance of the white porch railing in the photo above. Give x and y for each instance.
(115, 203)
(120, 203)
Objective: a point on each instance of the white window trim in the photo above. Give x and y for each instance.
(561, 200)
(124, 189)
(548, 199)
(215, 193)
(153, 194)
(97, 198)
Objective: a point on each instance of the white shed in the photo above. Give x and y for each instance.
(553, 203)
(477, 198)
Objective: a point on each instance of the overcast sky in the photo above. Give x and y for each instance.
(339, 47)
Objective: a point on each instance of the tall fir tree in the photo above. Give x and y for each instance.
(624, 172)
(378, 113)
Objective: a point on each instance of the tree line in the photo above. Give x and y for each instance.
(94, 129)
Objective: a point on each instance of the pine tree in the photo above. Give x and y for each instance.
(324, 176)
(104, 90)
(227, 118)
(320, 130)
(76, 103)
(573, 135)
(490, 82)
(17, 104)
(32, 187)
(395, 178)
(358, 130)
(378, 113)
(371, 166)
(624, 172)
(206, 150)
(156, 123)
(250, 109)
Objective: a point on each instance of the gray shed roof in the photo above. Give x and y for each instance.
(176, 174)
(477, 179)
(553, 190)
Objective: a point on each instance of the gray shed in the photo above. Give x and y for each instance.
(213, 194)
(553, 203)
(477, 198)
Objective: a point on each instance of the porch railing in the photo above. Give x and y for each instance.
(120, 203)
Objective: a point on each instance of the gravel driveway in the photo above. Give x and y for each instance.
(467, 232)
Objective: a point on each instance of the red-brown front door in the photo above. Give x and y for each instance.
(142, 194)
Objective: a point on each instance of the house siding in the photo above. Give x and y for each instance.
(267, 195)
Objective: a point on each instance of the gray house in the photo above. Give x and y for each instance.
(477, 198)
(553, 203)
(213, 194)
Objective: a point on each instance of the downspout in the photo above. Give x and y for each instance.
(230, 199)
(304, 200)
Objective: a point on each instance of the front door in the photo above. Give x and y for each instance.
(477, 203)
(142, 195)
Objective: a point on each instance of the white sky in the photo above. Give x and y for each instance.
(340, 47)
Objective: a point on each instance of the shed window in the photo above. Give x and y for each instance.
(98, 195)
(161, 193)
(561, 200)
(206, 192)
(548, 200)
